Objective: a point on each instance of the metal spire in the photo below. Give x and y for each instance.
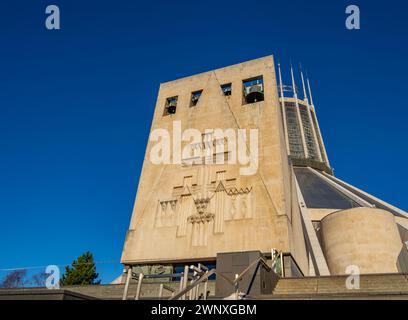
(299, 117)
(282, 100)
(293, 82)
(310, 91)
(280, 80)
(321, 142)
(309, 113)
(303, 84)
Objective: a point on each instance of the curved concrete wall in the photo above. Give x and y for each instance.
(366, 237)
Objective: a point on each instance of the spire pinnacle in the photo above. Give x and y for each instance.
(303, 85)
(280, 80)
(293, 82)
(310, 91)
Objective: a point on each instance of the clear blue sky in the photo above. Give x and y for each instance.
(76, 104)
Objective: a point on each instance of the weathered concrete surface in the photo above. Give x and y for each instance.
(378, 286)
(364, 237)
(262, 219)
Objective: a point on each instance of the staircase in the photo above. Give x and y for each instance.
(115, 291)
(375, 286)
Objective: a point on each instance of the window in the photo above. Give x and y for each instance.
(226, 89)
(253, 90)
(171, 106)
(195, 96)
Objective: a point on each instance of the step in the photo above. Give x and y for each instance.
(369, 284)
(325, 296)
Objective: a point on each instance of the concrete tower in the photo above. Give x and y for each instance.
(190, 209)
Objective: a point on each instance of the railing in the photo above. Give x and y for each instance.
(163, 286)
(200, 275)
(193, 287)
(196, 273)
(234, 283)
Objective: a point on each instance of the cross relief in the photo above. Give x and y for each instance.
(203, 202)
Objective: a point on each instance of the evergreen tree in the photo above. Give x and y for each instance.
(82, 272)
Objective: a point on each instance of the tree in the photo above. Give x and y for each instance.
(82, 272)
(19, 278)
(38, 279)
(14, 279)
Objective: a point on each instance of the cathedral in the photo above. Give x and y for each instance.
(253, 175)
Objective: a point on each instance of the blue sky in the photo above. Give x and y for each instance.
(76, 104)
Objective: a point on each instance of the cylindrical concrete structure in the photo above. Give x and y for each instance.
(364, 237)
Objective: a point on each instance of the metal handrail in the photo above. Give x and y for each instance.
(162, 275)
(234, 282)
(163, 286)
(192, 285)
(255, 262)
(203, 276)
(140, 277)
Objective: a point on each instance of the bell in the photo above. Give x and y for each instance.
(194, 100)
(254, 96)
(171, 109)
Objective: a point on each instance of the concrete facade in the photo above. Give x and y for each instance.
(365, 237)
(266, 220)
(189, 213)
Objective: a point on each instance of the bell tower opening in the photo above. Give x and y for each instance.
(253, 90)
